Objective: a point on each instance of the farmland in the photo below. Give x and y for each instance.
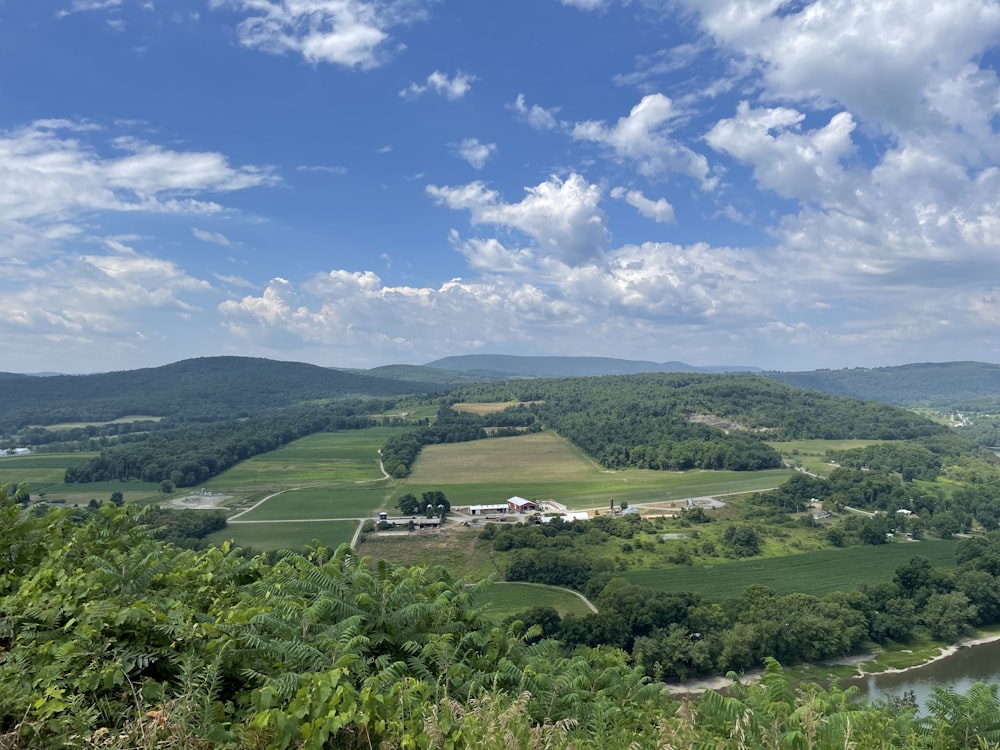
(817, 573)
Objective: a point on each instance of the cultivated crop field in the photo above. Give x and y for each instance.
(490, 407)
(544, 466)
(329, 457)
(334, 501)
(120, 420)
(817, 573)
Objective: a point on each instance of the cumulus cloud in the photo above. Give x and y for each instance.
(643, 138)
(350, 33)
(78, 6)
(562, 216)
(474, 152)
(804, 166)
(536, 116)
(883, 62)
(451, 88)
(659, 210)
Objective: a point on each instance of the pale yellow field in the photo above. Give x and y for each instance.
(120, 420)
(489, 408)
(539, 457)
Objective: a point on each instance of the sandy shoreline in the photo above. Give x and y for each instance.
(720, 682)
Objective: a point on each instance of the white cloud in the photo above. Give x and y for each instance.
(536, 116)
(659, 210)
(562, 216)
(643, 138)
(586, 4)
(804, 166)
(884, 62)
(79, 6)
(351, 33)
(476, 153)
(329, 169)
(451, 88)
(47, 176)
(215, 238)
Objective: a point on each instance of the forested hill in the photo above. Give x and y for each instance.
(208, 388)
(695, 420)
(504, 366)
(959, 385)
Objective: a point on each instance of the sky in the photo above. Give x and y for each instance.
(786, 185)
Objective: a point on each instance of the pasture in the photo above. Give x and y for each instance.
(817, 573)
(504, 599)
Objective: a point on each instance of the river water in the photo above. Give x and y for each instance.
(960, 671)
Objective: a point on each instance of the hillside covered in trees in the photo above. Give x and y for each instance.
(684, 421)
(205, 389)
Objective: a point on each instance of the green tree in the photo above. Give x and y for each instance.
(409, 505)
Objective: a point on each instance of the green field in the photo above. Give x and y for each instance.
(322, 502)
(43, 473)
(121, 420)
(817, 573)
(295, 535)
(503, 599)
(344, 457)
(544, 466)
(811, 454)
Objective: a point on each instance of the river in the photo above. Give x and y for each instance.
(959, 671)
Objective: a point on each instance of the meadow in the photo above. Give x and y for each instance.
(294, 535)
(817, 573)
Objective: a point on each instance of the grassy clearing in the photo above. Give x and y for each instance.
(490, 408)
(811, 453)
(817, 573)
(454, 548)
(505, 599)
(296, 535)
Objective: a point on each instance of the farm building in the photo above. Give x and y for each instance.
(486, 510)
(568, 517)
(520, 505)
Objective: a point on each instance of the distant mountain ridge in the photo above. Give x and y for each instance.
(502, 366)
(969, 385)
(201, 389)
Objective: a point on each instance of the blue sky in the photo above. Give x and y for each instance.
(790, 185)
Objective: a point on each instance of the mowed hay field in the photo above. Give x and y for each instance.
(544, 466)
(812, 453)
(322, 502)
(816, 573)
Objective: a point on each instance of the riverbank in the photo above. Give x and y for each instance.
(861, 665)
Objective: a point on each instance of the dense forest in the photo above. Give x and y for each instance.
(146, 645)
(193, 390)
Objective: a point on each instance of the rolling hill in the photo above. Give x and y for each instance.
(507, 366)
